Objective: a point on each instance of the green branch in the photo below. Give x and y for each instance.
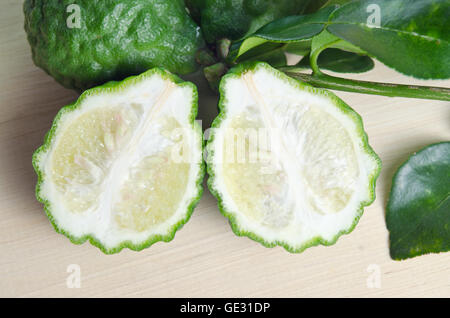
(364, 87)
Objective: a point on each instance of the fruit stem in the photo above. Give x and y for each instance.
(365, 87)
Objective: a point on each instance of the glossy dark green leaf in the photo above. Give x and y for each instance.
(299, 48)
(275, 58)
(294, 28)
(418, 211)
(304, 47)
(272, 53)
(341, 61)
(289, 29)
(259, 50)
(412, 36)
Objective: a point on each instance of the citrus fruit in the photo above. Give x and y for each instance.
(289, 164)
(122, 166)
(85, 43)
(234, 19)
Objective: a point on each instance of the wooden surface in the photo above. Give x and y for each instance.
(205, 258)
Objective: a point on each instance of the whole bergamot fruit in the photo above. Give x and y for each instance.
(84, 43)
(234, 19)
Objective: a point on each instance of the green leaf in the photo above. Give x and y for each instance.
(346, 46)
(262, 49)
(304, 47)
(412, 37)
(341, 61)
(289, 29)
(299, 48)
(272, 53)
(276, 58)
(319, 43)
(336, 60)
(418, 211)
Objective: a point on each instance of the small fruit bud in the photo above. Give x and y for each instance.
(223, 48)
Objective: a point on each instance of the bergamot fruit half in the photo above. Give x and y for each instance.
(289, 164)
(123, 166)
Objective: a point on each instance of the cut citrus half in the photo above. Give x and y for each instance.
(289, 164)
(123, 165)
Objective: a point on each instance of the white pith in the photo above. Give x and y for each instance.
(156, 97)
(261, 94)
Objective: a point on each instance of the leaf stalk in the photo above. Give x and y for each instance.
(365, 87)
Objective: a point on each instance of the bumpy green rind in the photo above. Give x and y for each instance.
(107, 88)
(418, 210)
(233, 19)
(237, 72)
(116, 39)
